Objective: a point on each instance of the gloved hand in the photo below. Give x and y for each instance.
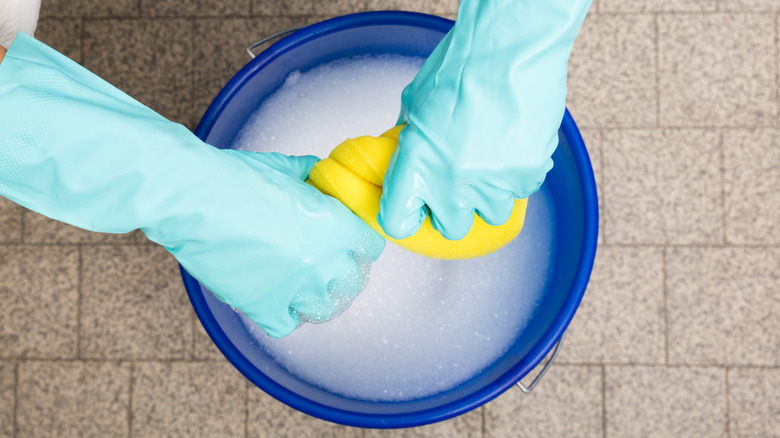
(482, 116)
(76, 149)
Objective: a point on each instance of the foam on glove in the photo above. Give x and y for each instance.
(354, 173)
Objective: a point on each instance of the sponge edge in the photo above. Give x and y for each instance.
(353, 174)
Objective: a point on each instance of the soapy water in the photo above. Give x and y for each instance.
(314, 111)
(340, 294)
(422, 326)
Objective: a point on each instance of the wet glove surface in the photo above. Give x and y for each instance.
(482, 116)
(76, 149)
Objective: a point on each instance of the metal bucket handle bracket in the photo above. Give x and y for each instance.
(256, 44)
(538, 378)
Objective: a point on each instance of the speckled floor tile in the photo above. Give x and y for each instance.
(64, 35)
(754, 402)
(223, 42)
(73, 399)
(621, 317)
(89, 8)
(656, 187)
(133, 304)
(567, 403)
(749, 5)
(39, 292)
(662, 187)
(723, 305)
(655, 402)
(10, 221)
(435, 7)
(612, 72)
(203, 346)
(188, 399)
(658, 5)
(468, 425)
(198, 8)
(40, 229)
(717, 70)
(7, 398)
(148, 59)
(752, 176)
(269, 418)
(276, 8)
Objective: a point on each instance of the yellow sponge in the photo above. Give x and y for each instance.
(353, 174)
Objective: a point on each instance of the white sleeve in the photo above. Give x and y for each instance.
(17, 16)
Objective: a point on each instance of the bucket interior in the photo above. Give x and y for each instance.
(569, 184)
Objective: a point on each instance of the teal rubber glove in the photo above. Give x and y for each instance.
(482, 116)
(76, 149)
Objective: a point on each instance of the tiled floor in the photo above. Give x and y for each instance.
(678, 334)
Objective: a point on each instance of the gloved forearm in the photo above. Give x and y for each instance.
(522, 42)
(526, 26)
(482, 116)
(76, 149)
(65, 128)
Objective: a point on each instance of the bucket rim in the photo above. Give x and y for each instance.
(535, 355)
(303, 35)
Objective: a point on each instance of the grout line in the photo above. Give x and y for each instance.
(777, 73)
(16, 400)
(130, 401)
(23, 228)
(676, 127)
(724, 212)
(665, 291)
(728, 404)
(76, 244)
(193, 329)
(693, 245)
(82, 39)
(604, 400)
(656, 40)
(119, 360)
(79, 300)
(246, 408)
(686, 13)
(193, 118)
(252, 14)
(163, 18)
(484, 422)
(603, 186)
(661, 365)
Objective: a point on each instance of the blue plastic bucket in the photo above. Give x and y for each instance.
(570, 185)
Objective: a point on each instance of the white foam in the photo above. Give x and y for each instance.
(314, 111)
(422, 326)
